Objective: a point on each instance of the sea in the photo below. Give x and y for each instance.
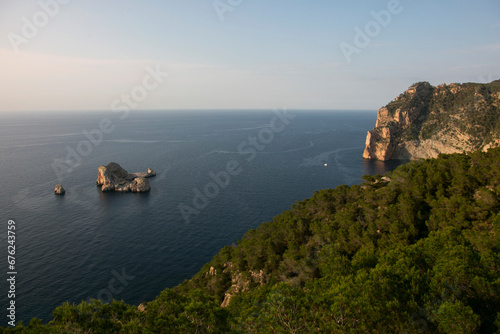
(220, 173)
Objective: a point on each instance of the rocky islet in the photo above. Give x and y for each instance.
(113, 177)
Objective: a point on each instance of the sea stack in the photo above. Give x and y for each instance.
(113, 177)
(59, 190)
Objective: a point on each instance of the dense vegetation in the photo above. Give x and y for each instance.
(415, 251)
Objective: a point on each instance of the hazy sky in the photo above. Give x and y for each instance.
(246, 54)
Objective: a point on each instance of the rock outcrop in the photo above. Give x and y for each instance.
(113, 177)
(59, 190)
(425, 121)
(239, 281)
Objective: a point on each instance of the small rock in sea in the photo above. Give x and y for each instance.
(59, 190)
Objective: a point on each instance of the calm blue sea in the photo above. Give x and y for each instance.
(89, 244)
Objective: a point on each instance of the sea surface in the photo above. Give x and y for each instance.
(130, 246)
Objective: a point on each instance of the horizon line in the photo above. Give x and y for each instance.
(181, 109)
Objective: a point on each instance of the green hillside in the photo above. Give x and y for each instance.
(415, 251)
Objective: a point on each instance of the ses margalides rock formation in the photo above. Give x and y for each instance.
(113, 177)
(425, 121)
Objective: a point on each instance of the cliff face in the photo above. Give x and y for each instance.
(425, 121)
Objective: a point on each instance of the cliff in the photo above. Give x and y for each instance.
(425, 121)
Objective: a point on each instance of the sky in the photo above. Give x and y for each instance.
(238, 54)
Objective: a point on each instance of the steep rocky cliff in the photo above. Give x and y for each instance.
(425, 121)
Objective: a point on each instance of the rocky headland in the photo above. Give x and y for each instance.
(113, 177)
(425, 121)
